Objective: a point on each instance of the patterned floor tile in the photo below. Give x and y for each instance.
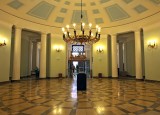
(60, 111)
(130, 107)
(143, 103)
(60, 97)
(38, 110)
(20, 106)
(151, 113)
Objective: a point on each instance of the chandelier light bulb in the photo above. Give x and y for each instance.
(83, 24)
(99, 30)
(90, 25)
(63, 30)
(91, 34)
(74, 25)
(67, 27)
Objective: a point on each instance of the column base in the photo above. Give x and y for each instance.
(15, 80)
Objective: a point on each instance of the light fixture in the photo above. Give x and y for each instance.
(3, 44)
(81, 38)
(99, 49)
(152, 44)
(58, 48)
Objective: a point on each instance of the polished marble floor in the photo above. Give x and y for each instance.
(60, 97)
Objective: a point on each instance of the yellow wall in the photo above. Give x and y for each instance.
(100, 60)
(152, 55)
(57, 59)
(5, 34)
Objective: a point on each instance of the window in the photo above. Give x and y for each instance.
(77, 48)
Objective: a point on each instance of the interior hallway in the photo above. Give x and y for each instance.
(60, 97)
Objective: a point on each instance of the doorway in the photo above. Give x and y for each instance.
(78, 66)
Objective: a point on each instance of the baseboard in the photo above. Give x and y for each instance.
(109, 76)
(41, 78)
(4, 82)
(25, 76)
(53, 77)
(130, 76)
(151, 80)
(15, 81)
(113, 77)
(102, 77)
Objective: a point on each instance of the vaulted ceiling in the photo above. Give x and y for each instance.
(58, 13)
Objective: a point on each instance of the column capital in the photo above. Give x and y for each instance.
(115, 34)
(18, 27)
(44, 33)
(137, 30)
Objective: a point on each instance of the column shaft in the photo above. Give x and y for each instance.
(138, 57)
(114, 56)
(43, 56)
(17, 55)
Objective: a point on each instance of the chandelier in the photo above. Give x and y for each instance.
(81, 37)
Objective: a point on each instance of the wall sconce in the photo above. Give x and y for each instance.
(3, 44)
(152, 44)
(58, 48)
(99, 49)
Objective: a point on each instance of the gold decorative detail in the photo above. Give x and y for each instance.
(81, 38)
(152, 44)
(3, 44)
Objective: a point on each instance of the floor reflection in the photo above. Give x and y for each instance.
(60, 97)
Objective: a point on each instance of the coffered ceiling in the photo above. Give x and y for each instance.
(58, 13)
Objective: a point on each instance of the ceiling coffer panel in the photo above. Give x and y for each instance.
(59, 20)
(76, 17)
(92, 3)
(95, 11)
(63, 10)
(99, 20)
(155, 1)
(57, 0)
(15, 4)
(79, 4)
(127, 1)
(42, 10)
(104, 1)
(67, 3)
(140, 9)
(115, 13)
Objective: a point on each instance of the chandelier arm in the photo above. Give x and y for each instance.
(90, 32)
(82, 38)
(75, 34)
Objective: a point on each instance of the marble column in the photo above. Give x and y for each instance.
(17, 54)
(138, 56)
(43, 56)
(114, 56)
